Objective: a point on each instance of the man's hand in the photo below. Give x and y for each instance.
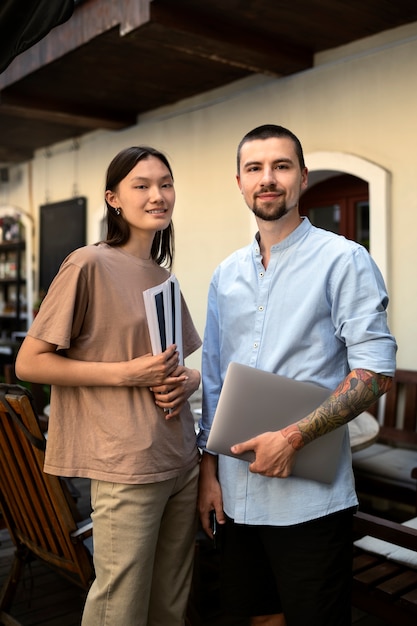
(209, 493)
(275, 456)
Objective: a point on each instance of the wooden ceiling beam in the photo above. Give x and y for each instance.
(206, 36)
(25, 111)
(14, 155)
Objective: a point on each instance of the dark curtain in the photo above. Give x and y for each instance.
(24, 22)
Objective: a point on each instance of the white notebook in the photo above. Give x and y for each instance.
(163, 313)
(253, 402)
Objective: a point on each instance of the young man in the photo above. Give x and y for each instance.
(310, 305)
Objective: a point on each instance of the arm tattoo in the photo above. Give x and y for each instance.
(357, 392)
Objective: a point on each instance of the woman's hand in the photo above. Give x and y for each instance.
(39, 362)
(175, 390)
(149, 369)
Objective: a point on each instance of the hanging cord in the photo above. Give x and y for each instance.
(75, 148)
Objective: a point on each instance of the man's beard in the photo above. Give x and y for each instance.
(270, 216)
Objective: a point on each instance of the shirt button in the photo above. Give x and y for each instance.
(261, 274)
(260, 308)
(255, 345)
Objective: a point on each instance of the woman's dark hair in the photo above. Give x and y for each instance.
(162, 251)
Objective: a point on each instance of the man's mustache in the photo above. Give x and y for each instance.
(267, 189)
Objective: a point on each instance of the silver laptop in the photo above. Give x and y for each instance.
(253, 402)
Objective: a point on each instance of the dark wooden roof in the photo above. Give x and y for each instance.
(114, 60)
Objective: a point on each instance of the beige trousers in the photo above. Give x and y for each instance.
(144, 537)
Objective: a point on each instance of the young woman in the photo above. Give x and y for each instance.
(119, 415)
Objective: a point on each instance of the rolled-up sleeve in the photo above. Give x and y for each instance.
(359, 310)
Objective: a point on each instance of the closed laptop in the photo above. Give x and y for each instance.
(253, 401)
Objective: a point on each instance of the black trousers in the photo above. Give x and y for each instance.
(303, 570)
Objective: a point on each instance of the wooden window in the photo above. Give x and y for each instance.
(339, 204)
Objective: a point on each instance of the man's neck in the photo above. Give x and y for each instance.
(271, 233)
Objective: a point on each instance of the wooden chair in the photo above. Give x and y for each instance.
(35, 506)
(384, 580)
(385, 468)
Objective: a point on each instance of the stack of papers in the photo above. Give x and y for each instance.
(163, 312)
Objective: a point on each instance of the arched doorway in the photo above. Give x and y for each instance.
(339, 204)
(325, 165)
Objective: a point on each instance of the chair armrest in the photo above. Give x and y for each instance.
(398, 438)
(85, 530)
(380, 528)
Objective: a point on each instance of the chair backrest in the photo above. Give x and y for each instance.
(398, 417)
(34, 504)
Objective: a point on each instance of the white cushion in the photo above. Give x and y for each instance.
(363, 430)
(390, 551)
(391, 464)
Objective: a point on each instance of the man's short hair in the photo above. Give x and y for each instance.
(266, 132)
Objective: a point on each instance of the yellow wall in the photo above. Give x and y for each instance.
(360, 100)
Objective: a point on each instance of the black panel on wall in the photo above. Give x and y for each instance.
(62, 230)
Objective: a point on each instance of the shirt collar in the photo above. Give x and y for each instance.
(289, 241)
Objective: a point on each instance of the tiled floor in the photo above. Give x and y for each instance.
(44, 598)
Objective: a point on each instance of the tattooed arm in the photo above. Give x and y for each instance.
(275, 451)
(359, 390)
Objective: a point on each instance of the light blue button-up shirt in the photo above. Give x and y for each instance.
(317, 312)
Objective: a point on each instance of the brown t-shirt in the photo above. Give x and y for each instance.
(94, 311)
